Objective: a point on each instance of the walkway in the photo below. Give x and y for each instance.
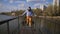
(29, 30)
(42, 25)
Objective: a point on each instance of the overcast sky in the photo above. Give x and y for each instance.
(8, 5)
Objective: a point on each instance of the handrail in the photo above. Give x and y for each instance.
(7, 21)
(1, 22)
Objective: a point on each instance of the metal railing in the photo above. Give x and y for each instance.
(51, 25)
(7, 21)
(45, 24)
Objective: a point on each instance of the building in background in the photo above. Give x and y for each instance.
(13, 14)
(43, 7)
(56, 2)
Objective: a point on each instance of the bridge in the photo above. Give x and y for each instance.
(42, 25)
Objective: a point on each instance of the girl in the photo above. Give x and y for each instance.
(29, 15)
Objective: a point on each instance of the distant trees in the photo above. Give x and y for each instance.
(5, 13)
(37, 11)
(19, 12)
(49, 11)
(16, 12)
(52, 10)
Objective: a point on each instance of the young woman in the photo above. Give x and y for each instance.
(29, 13)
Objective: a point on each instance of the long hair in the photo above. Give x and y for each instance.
(29, 8)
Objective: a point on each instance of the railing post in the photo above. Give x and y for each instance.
(8, 27)
(55, 28)
(18, 26)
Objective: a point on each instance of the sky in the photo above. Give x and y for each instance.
(10, 5)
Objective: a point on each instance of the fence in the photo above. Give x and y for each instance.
(51, 25)
(7, 21)
(45, 25)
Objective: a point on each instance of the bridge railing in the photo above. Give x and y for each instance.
(50, 25)
(45, 24)
(7, 21)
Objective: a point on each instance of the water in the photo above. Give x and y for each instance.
(5, 17)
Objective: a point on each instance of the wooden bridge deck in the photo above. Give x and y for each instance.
(29, 30)
(48, 25)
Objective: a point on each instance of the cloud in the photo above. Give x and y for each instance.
(37, 4)
(5, 0)
(0, 5)
(16, 1)
(35, 0)
(47, 2)
(12, 8)
(21, 5)
(11, 1)
(7, 8)
(43, 0)
(19, 1)
(32, 0)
